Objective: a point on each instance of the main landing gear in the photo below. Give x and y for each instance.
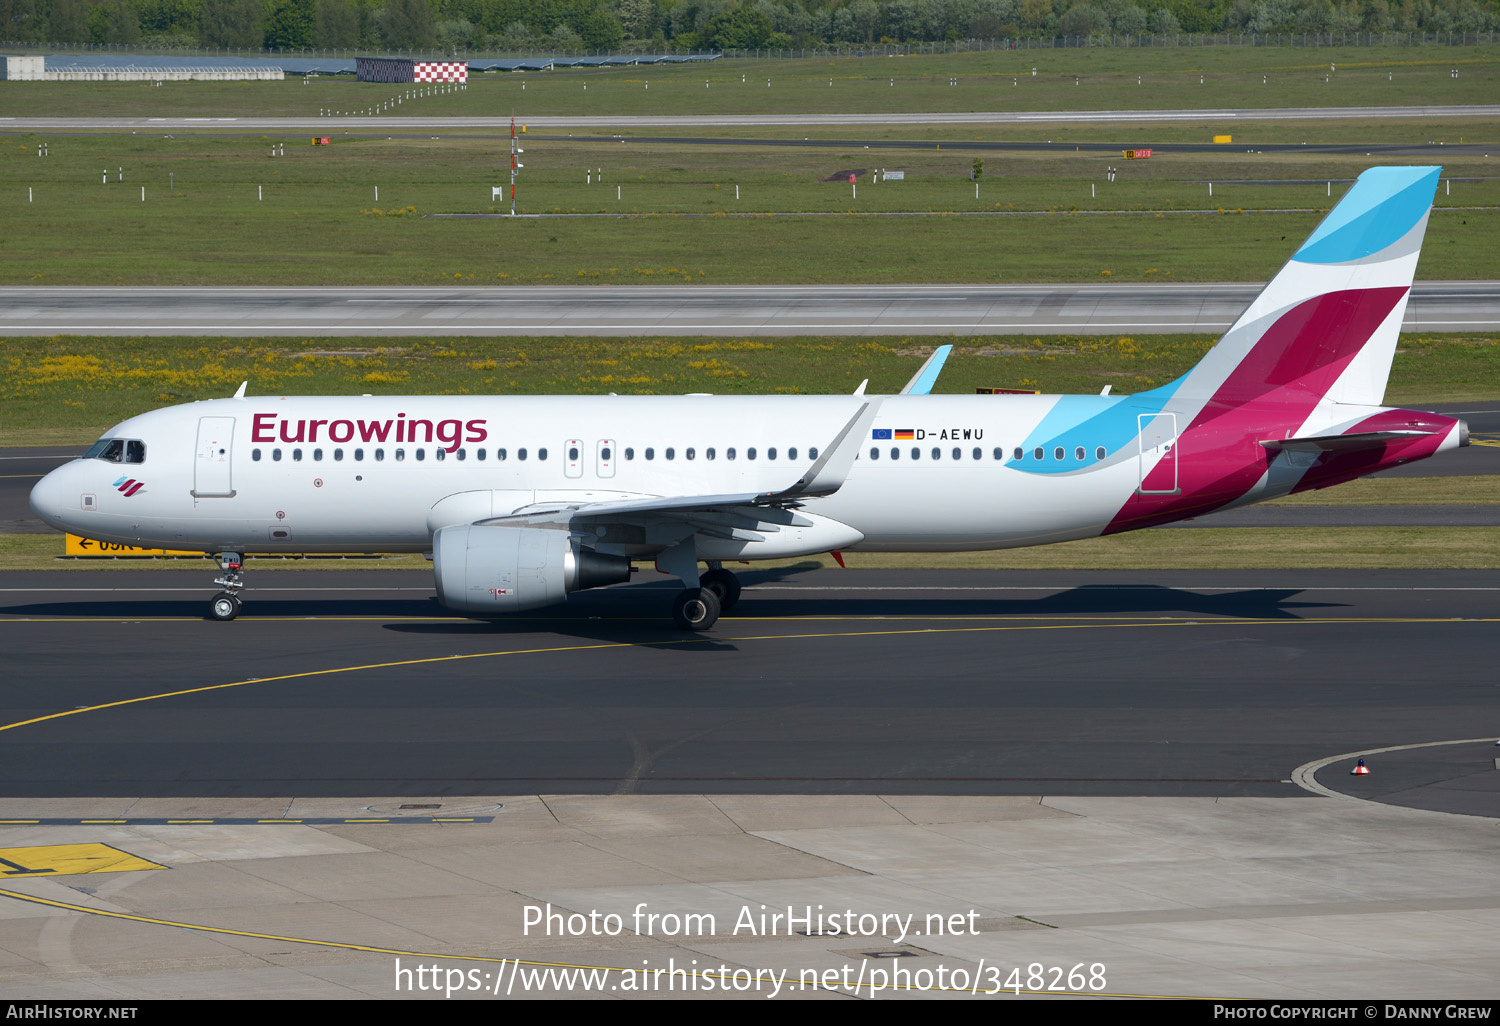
(698, 609)
(226, 604)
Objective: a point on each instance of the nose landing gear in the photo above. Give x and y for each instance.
(226, 604)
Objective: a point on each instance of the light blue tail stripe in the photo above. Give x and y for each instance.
(1384, 204)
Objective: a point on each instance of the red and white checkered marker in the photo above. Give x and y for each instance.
(1360, 769)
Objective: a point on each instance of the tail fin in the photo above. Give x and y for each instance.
(1326, 325)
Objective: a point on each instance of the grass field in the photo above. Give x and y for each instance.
(1077, 79)
(221, 210)
(70, 389)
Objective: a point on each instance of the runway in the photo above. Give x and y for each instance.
(693, 310)
(350, 683)
(328, 125)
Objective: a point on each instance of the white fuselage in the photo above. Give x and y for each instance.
(303, 474)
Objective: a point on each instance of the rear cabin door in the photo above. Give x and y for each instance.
(1158, 454)
(211, 467)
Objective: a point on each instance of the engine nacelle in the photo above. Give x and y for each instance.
(490, 571)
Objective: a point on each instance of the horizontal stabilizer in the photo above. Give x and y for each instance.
(1341, 443)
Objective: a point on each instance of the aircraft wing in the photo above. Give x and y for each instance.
(921, 382)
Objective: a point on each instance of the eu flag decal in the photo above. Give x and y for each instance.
(881, 434)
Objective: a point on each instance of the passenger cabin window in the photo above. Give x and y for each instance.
(255, 455)
(541, 454)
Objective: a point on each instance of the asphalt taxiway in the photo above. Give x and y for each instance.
(691, 310)
(353, 683)
(329, 124)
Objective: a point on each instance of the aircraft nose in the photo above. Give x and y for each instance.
(50, 499)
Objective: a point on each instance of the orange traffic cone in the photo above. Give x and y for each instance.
(1360, 769)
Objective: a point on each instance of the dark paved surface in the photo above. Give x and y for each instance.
(686, 310)
(949, 682)
(1446, 778)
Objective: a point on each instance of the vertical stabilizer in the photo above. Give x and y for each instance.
(1326, 325)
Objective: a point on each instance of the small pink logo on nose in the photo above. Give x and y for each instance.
(128, 486)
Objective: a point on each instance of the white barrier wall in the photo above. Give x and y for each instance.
(165, 75)
(22, 69)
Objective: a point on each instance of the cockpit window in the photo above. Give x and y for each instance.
(111, 449)
(117, 450)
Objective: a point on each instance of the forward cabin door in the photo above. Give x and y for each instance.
(1158, 454)
(211, 467)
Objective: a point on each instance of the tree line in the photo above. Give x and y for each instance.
(570, 26)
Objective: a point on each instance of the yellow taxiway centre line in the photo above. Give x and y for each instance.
(1120, 622)
(502, 961)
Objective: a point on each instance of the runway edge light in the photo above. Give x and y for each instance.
(1360, 769)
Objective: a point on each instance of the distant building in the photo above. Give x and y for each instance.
(402, 69)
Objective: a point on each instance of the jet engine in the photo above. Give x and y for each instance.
(489, 571)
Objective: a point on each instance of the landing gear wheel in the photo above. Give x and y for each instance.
(695, 609)
(224, 606)
(724, 585)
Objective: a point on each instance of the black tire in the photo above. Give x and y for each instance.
(695, 609)
(724, 585)
(224, 606)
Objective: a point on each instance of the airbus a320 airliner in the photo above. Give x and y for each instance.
(524, 499)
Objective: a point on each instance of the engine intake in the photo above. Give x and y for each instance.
(490, 571)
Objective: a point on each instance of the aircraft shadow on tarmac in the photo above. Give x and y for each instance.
(639, 612)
